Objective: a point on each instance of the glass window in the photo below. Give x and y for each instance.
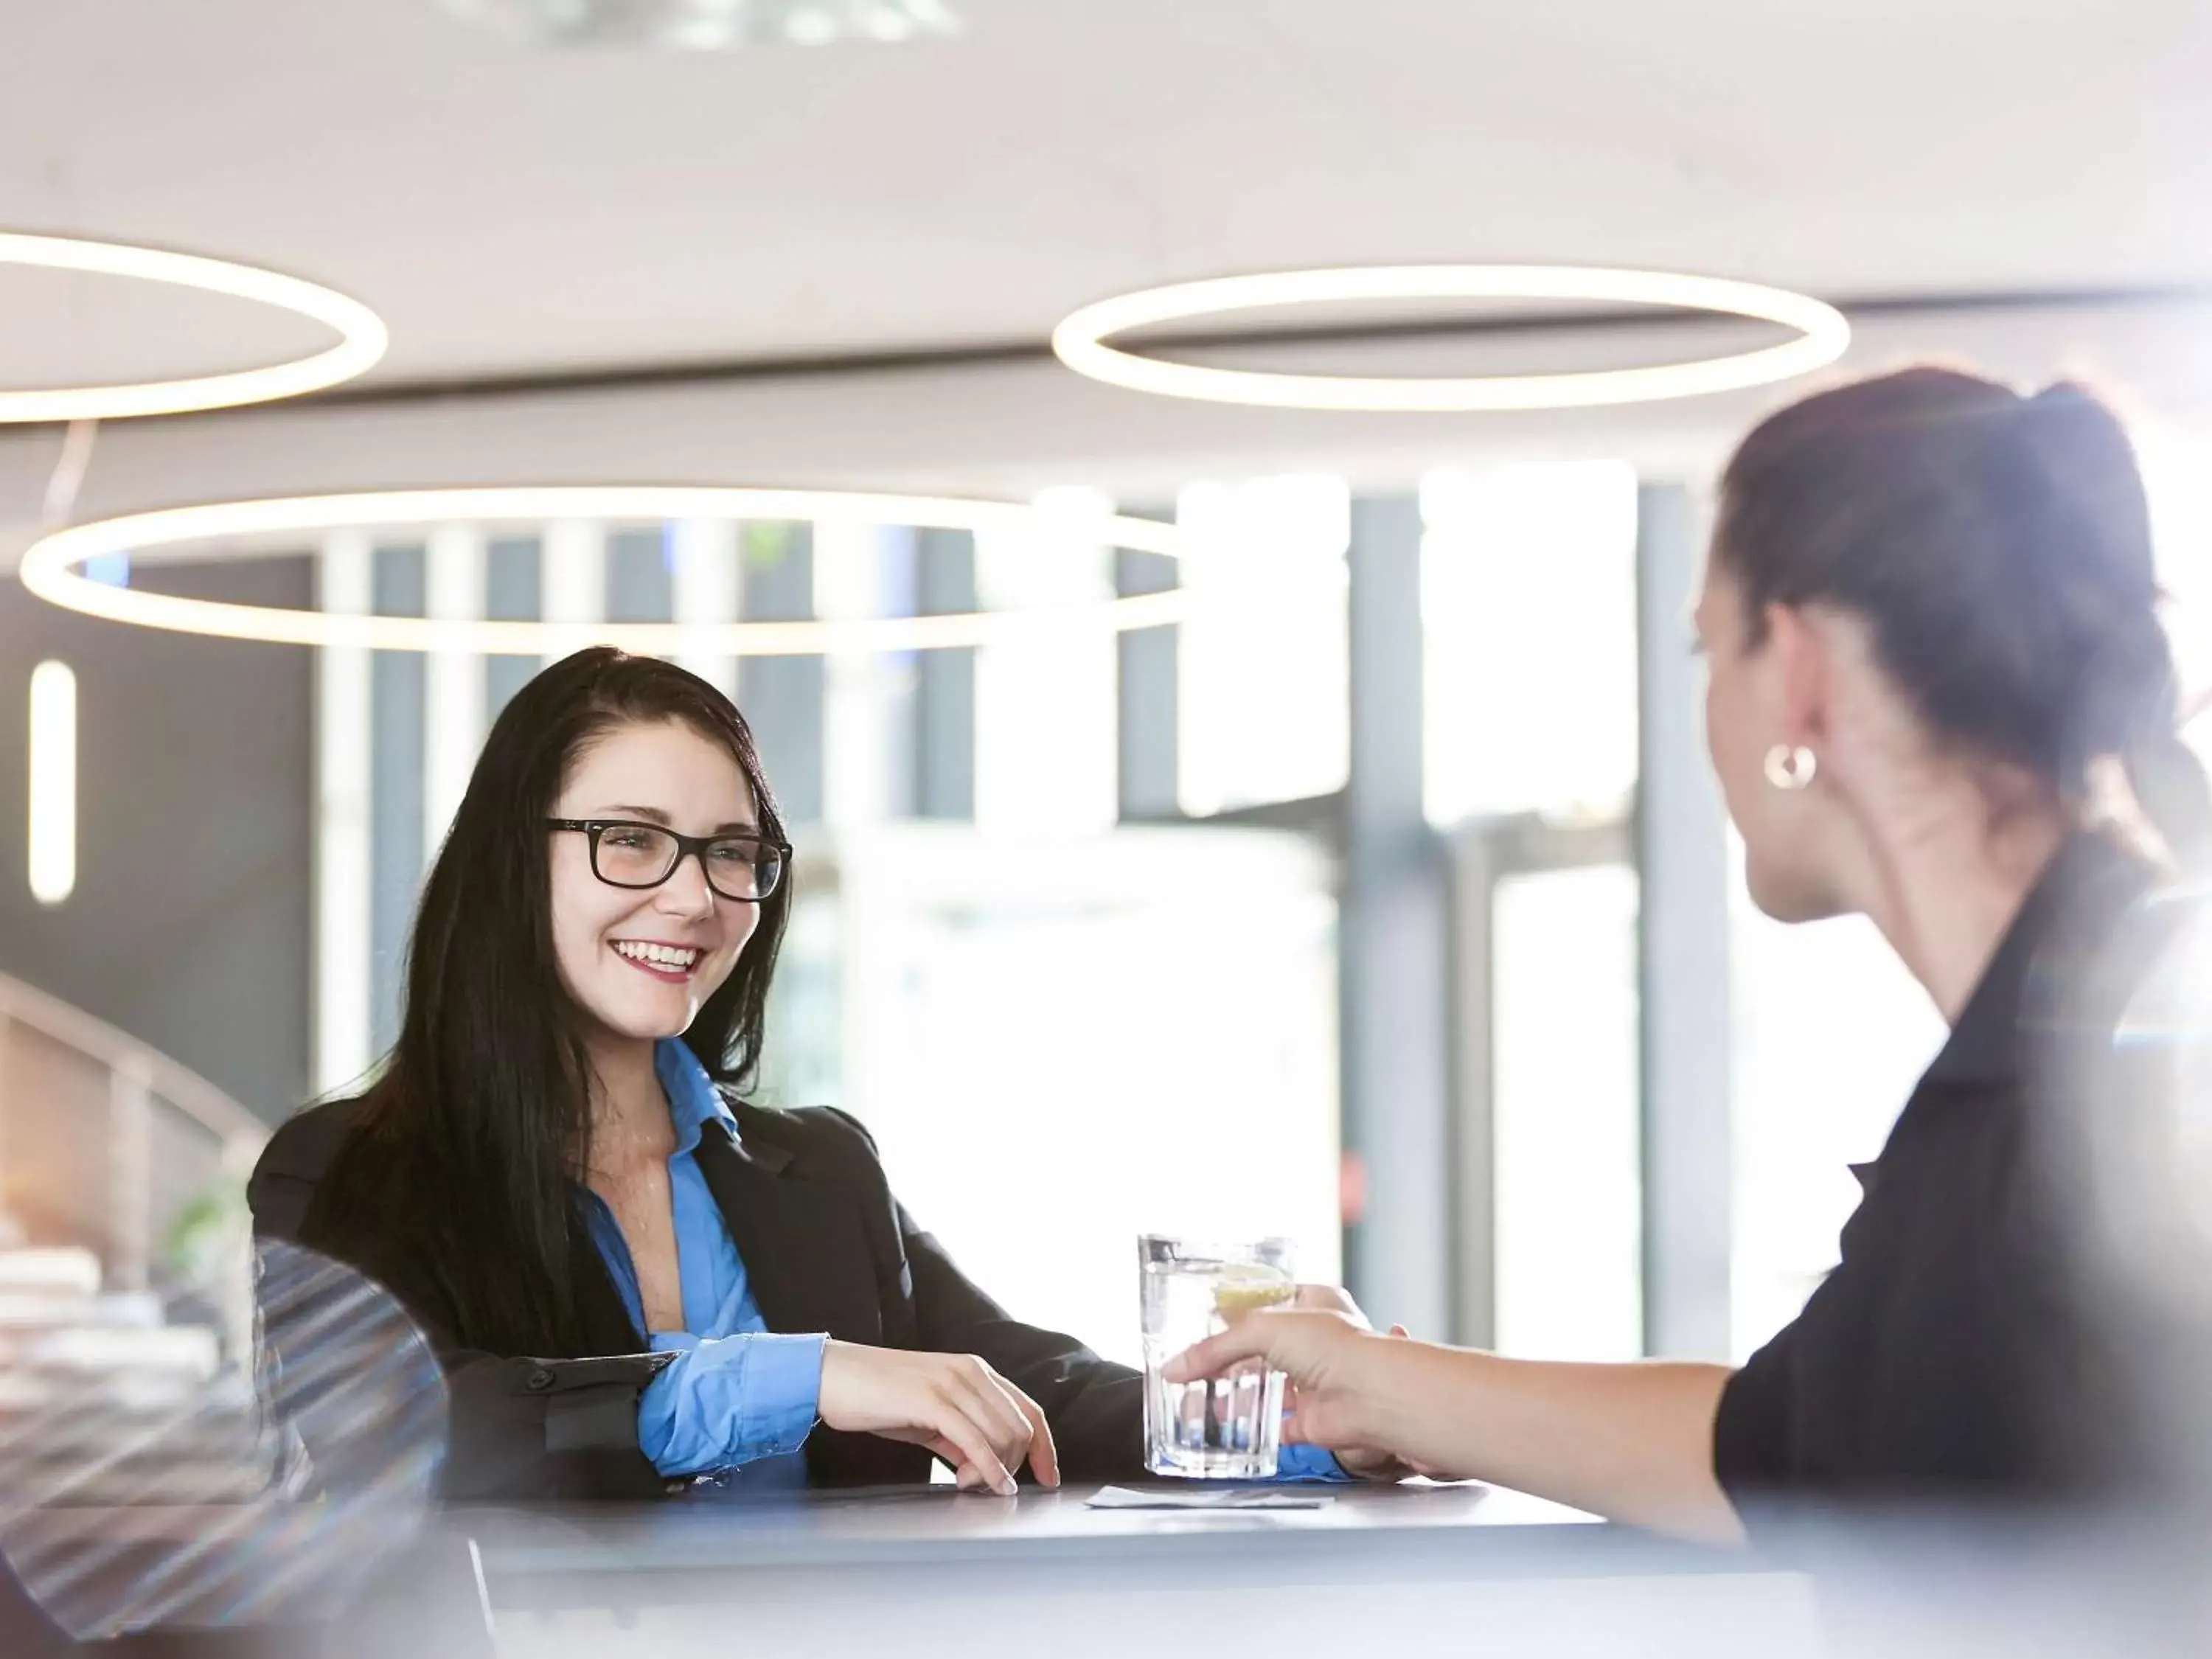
(867, 696)
(1263, 673)
(1046, 716)
(1564, 1115)
(1529, 616)
(1060, 1044)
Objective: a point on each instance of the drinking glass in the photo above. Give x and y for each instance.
(1223, 1428)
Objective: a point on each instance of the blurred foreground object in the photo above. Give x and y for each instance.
(153, 1477)
(2131, 1115)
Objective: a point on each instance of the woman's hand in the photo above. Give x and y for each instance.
(1632, 1443)
(1333, 1363)
(1363, 1462)
(953, 1404)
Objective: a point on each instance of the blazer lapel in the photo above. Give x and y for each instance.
(804, 1243)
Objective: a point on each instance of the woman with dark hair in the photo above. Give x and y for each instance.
(633, 1277)
(1940, 698)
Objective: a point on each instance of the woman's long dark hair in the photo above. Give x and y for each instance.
(1999, 547)
(473, 1137)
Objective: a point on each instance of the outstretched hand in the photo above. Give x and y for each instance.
(1333, 1363)
(1632, 1443)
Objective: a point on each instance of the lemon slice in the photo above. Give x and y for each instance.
(1245, 1288)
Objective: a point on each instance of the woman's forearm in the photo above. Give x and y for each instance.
(1630, 1441)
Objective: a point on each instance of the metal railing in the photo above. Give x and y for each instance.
(105, 1143)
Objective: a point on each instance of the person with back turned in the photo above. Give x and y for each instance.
(1939, 697)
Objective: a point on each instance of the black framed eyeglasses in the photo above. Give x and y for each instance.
(628, 854)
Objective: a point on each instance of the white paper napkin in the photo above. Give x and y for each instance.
(1204, 1497)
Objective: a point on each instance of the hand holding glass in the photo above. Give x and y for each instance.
(1223, 1428)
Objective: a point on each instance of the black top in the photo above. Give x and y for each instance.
(1946, 1355)
(826, 1248)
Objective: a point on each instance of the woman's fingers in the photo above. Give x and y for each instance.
(1010, 1443)
(1014, 1425)
(1305, 1346)
(992, 1398)
(965, 1475)
(1034, 1444)
(963, 1472)
(948, 1418)
(1249, 1339)
(1029, 1436)
(1044, 1456)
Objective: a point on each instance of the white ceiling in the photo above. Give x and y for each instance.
(512, 209)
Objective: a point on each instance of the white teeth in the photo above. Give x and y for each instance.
(660, 955)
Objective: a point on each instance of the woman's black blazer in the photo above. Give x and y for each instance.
(826, 1246)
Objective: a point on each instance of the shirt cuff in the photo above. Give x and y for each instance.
(1302, 1462)
(729, 1401)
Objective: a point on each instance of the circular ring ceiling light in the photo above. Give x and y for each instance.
(49, 569)
(1080, 340)
(362, 335)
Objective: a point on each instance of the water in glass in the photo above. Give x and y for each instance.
(1228, 1428)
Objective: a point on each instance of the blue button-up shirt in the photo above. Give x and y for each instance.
(737, 1393)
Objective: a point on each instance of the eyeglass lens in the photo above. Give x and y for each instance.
(637, 855)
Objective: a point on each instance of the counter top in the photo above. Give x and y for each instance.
(924, 1569)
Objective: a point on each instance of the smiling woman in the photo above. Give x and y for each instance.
(640, 938)
(633, 1276)
(554, 1165)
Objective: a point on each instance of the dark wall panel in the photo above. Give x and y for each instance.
(189, 927)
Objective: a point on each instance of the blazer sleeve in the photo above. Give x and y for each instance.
(534, 1429)
(516, 1427)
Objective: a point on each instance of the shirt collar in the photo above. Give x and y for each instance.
(693, 1101)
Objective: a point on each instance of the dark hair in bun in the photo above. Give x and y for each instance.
(2000, 547)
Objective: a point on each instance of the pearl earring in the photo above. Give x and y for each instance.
(1790, 767)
